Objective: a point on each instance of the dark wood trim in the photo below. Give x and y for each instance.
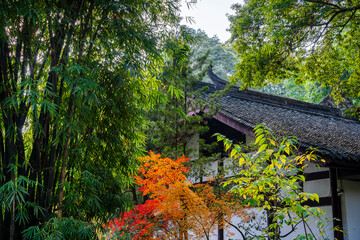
(336, 205)
(349, 174)
(339, 163)
(317, 175)
(234, 124)
(323, 201)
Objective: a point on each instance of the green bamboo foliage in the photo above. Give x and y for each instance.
(75, 81)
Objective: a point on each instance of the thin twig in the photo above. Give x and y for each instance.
(242, 234)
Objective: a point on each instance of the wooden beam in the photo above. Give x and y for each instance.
(316, 175)
(323, 201)
(234, 124)
(336, 205)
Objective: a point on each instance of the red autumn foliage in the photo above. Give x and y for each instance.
(142, 221)
(176, 207)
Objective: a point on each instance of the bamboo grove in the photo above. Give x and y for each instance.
(75, 80)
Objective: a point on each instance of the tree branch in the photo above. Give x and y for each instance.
(324, 3)
(242, 234)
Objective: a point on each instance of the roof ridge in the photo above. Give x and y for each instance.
(279, 101)
(292, 104)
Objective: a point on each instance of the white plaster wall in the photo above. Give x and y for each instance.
(327, 219)
(193, 146)
(321, 187)
(192, 179)
(208, 172)
(231, 167)
(235, 234)
(351, 209)
(212, 171)
(260, 218)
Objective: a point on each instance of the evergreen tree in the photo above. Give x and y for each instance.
(220, 55)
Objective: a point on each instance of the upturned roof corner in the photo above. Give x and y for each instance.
(314, 125)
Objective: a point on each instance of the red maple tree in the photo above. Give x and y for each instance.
(177, 208)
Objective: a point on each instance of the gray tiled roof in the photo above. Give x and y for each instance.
(313, 125)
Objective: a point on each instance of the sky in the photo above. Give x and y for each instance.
(210, 16)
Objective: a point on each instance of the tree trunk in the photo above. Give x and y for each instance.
(64, 158)
(12, 221)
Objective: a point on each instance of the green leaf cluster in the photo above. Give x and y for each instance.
(270, 179)
(316, 41)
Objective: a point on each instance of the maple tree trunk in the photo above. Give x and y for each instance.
(221, 228)
(186, 234)
(183, 230)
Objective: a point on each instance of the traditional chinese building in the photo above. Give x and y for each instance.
(337, 181)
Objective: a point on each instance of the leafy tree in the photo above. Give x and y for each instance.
(179, 113)
(177, 208)
(270, 180)
(224, 59)
(308, 91)
(305, 40)
(220, 55)
(75, 80)
(169, 126)
(142, 222)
